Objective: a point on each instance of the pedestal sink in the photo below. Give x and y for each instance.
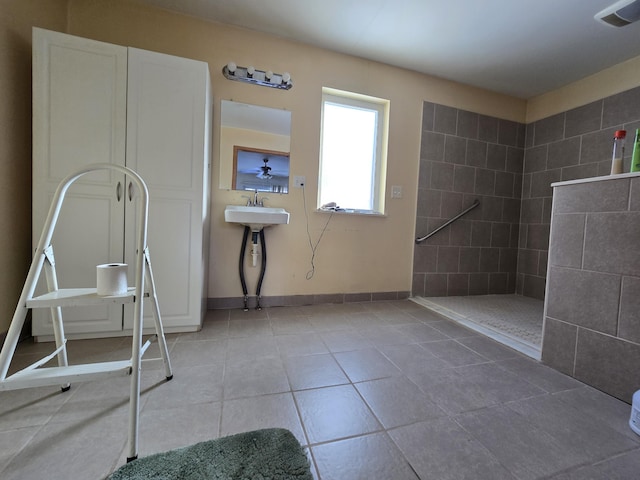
(255, 218)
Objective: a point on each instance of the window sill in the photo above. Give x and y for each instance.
(351, 211)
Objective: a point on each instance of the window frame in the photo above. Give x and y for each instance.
(379, 162)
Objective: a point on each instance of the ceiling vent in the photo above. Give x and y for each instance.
(620, 13)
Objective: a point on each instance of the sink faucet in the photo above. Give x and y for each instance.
(255, 202)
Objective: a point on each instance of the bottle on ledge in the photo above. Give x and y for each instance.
(618, 151)
(635, 158)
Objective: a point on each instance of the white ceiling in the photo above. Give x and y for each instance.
(518, 47)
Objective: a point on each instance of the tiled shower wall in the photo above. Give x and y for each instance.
(502, 245)
(466, 156)
(568, 146)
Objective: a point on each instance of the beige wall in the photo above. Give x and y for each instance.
(357, 254)
(16, 19)
(610, 81)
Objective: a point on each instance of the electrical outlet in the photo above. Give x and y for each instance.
(396, 191)
(298, 181)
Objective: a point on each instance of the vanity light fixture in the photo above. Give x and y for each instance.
(257, 77)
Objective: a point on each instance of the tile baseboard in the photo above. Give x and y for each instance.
(299, 300)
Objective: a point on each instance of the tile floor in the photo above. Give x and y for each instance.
(384, 390)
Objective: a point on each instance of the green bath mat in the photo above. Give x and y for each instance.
(273, 454)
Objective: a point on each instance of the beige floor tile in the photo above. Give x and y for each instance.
(332, 413)
(362, 458)
(264, 411)
(314, 371)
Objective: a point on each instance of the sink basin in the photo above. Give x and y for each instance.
(255, 217)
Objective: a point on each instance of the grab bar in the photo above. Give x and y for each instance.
(449, 222)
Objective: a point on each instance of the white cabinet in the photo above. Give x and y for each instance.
(95, 102)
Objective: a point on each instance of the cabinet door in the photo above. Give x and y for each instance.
(79, 115)
(166, 132)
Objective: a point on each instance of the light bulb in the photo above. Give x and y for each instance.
(268, 74)
(286, 78)
(231, 67)
(250, 71)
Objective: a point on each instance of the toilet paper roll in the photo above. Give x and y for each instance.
(111, 279)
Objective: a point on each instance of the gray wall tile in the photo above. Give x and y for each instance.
(455, 150)
(508, 260)
(476, 153)
(607, 363)
(588, 299)
(505, 182)
(577, 172)
(604, 196)
(597, 147)
(457, 284)
(432, 146)
(429, 202)
(508, 133)
(621, 108)
(445, 119)
(498, 283)
(448, 258)
(491, 208)
(470, 259)
(528, 261)
(500, 234)
(511, 210)
(478, 283)
(559, 345)
(538, 236)
(541, 182)
(549, 129)
(586, 118)
(452, 204)
(567, 239)
(428, 113)
(611, 241)
(629, 322)
(435, 285)
(487, 128)
(515, 160)
(534, 287)
(496, 157)
(564, 153)
(634, 200)
(535, 159)
(467, 124)
(464, 179)
(417, 284)
(485, 181)
(481, 234)
(532, 210)
(441, 176)
(460, 233)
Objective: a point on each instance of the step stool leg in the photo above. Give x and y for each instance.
(162, 343)
(56, 312)
(20, 314)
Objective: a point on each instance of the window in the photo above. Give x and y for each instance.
(353, 151)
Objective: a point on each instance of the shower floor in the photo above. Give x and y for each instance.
(513, 320)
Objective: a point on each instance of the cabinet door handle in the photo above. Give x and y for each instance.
(118, 191)
(130, 191)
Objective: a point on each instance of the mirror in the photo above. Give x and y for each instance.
(249, 134)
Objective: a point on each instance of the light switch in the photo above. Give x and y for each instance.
(396, 191)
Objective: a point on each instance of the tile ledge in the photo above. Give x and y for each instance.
(619, 176)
